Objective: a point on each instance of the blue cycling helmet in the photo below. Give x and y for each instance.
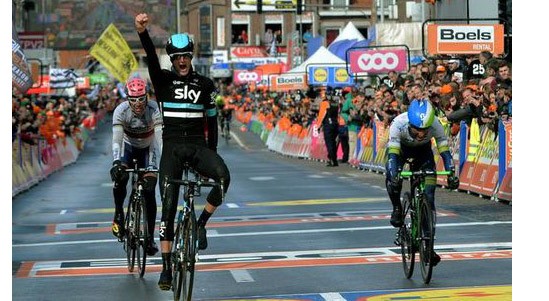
(421, 113)
(178, 44)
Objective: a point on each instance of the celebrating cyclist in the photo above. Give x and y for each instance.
(136, 134)
(410, 136)
(187, 99)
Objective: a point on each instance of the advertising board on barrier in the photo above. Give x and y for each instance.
(329, 76)
(378, 60)
(286, 82)
(465, 39)
(245, 76)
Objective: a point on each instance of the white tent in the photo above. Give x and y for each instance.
(321, 56)
(349, 37)
(349, 33)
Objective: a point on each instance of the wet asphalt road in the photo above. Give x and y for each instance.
(289, 229)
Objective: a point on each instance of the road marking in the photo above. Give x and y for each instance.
(232, 205)
(318, 201)
(118, 267)
(332, 297)
(98, 227)
(63, 212)
(263, 233)
(262, 178)
(242, 276)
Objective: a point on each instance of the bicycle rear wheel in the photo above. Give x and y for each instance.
(185, 273)
(427, 234)
(129, 241)
(407, 248)
(141, 228)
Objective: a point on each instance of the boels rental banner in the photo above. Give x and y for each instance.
(287, 82)
(465, 39)
(329, 76)
(375, 61)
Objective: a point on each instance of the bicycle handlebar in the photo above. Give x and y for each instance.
(198, 183)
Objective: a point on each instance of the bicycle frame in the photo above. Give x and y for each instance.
(136, 234)
(418, 235)
(185, 244)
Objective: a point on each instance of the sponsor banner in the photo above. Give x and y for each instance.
(466, 39)
(113, 52)
(83, 82)
(31, 40)
(263, 82)
(98, 78)
(245, 76)
(329, 76)
(286, 82)
(261, 60)
(248, 52)
(220, 56)
(378, 60)
(509, 143)
(44, 87)
(20, 73)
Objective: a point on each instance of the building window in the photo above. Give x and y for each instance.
(239, 34)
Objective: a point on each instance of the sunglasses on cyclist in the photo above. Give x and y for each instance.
(185, 55)
(137, 99)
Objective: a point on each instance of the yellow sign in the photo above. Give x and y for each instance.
(113, 52)
(321, 75)
(341, 75)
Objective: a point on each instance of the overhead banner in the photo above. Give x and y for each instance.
(375, 61)
(113, 52)
(20, 73)
(465, 39)
(333, 76)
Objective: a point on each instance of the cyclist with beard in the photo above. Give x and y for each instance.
(136, 134)
(187, 101)
(410, 136)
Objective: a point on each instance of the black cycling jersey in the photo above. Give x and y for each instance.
(184, 100)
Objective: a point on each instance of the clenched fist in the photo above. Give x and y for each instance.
(141, 22)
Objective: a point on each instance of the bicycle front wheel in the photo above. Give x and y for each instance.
(141, 228)
(185, 273)
(407, 248)
(129, 240)
(427, 240)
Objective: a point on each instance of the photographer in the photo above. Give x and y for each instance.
(470, 108)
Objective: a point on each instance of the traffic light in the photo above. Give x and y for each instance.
(259, 6)
(299, 7)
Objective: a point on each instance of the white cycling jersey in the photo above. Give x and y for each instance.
(399, 135)
(138, 131)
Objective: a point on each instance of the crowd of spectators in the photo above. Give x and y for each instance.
(475, 86)
(50, 117)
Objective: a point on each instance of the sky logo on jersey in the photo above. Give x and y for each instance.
(187, 93)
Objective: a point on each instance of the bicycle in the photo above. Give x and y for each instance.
(417, 233)
(136, 225)
(185, 246)
(226, 131)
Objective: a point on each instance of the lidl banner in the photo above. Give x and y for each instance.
(329, 76)
(20, 73)
(113, 52)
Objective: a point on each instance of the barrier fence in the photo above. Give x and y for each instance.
(33, 163)
(483, 156)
